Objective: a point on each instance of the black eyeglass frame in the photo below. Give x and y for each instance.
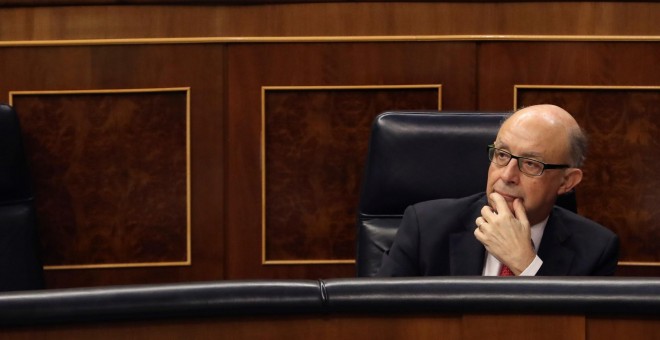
(518, 158)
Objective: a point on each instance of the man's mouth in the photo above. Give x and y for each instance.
(508, 198)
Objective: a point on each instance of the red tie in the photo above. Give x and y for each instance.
(505, 271)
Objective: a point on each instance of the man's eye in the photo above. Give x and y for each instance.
(532, 165)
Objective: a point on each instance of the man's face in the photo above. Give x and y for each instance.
(528, 135)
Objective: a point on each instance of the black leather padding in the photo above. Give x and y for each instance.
(14, 175)
(415, 157)
(520, 295)
(181, 300)
(619, 296)
(418, 156)
(20, 265)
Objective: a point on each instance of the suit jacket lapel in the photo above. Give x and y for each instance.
(466, 253)
(557, 259)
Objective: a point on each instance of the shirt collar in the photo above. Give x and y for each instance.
(537, 233)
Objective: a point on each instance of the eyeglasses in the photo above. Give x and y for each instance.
(526, 165)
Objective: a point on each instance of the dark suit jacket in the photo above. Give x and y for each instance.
(437, 238)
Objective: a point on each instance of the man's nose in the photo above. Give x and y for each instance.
(511, 173)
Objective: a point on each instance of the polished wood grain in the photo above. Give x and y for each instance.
(620, 185)
(110, 171)
(623, 328)
(316, 142)
(284, 327)
(226, 53)
(103, 21)
(178, 2)
(226, 82)
(252, 66)
(503, 65)
(511, 327)
(349, 326)
(199, 67)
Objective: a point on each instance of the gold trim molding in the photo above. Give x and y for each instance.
(639, 264)
(188, 260)
(516, 87)
(590, 87)
(328, 39)
(264, 89)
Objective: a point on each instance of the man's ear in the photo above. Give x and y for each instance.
(572, 177)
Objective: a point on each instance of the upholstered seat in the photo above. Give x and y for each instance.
(20, 266)
(418, 156)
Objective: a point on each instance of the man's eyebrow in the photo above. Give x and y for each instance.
(530, 154)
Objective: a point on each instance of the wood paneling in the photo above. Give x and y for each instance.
(620, 185)
(315, 145)
(502, 65)
(623, 328)
(226, 88)
(507, 64)
(252, 66)
(295, 327)
(199, 67)
(110, 171)
(349, 326)
(523, 327)
(330, 19)
(225, 70)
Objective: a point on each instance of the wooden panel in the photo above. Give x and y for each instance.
(177, 2)
(506, 327)
(621, 328)
(110, 171)
(620, 186)
(294, 327)
(523, 327)
(502, 65)
(231, 153)
(351, 64)
(507, 64)
(199, 67)
(330, 19)
(316, 141)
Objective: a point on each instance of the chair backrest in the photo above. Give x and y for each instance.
(20, 266)
(419, 156)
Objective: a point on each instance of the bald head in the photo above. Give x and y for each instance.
(555, 122)
(542, 133)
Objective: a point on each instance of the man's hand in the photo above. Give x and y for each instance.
(506, 234)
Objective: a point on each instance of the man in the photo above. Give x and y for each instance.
(514, 228)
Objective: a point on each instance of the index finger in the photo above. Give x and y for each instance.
(500, 204)
(519, 210)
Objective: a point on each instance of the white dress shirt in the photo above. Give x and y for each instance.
(492, 265)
